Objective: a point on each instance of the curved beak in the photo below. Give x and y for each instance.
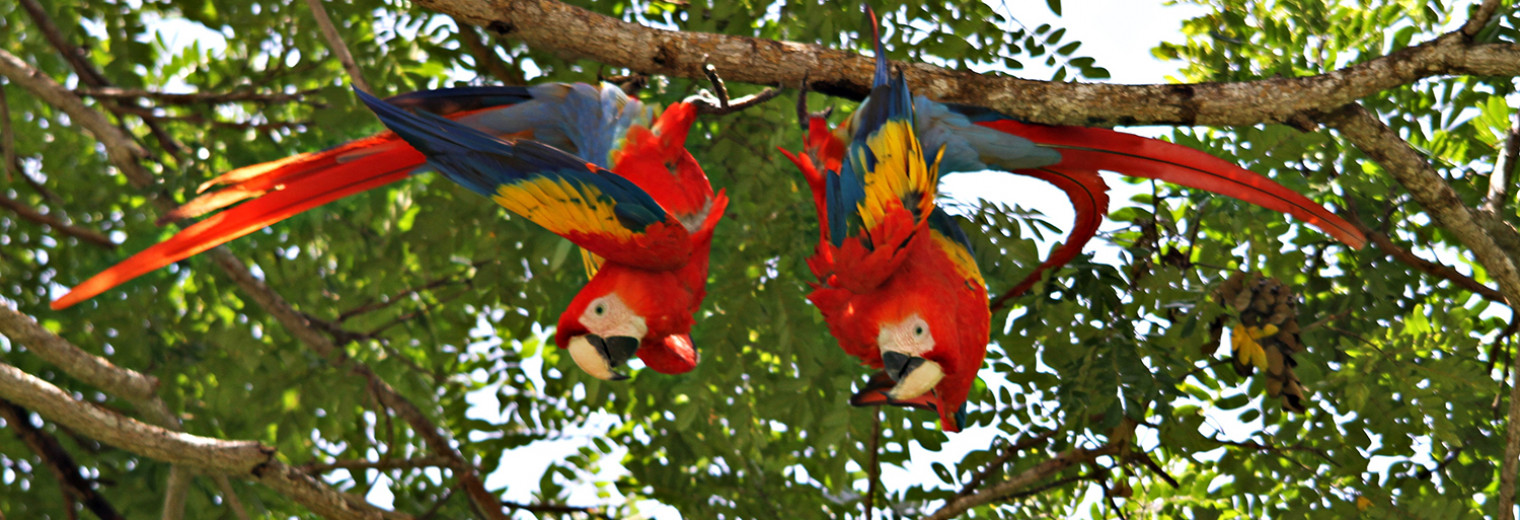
(601, 357)
(915, 376)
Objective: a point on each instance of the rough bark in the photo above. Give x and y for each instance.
(572, 31)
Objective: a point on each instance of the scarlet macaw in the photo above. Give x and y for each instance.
(897, 284)
(586, 162)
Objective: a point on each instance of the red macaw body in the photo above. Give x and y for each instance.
(887, 254)
(585, 162)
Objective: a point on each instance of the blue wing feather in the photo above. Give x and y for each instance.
(484, 164)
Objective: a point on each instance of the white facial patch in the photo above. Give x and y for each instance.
(608, 316)
(910, 336)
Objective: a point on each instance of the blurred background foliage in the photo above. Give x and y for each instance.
(444, 295)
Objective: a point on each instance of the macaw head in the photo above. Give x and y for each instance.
(919, 337)
(625, 311)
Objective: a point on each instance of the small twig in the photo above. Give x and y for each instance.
(1049, 486)
(719, 103)
(996, 465)
(381, 465)
(1020, 482)
(174, 497)
(148, 113)
(1480, 18)
(427, 515)
(191, 98)
(1109, 496)
(32, 214)
(1503, 177)
(335, 41)
(1151, 464)
(230, 495)
(873, 470)
(7, 139)
(485, 56)
(120, 147)
(553, 508)
(1408, 257)
(372, 305)
(79, 60)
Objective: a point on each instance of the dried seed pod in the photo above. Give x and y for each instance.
(1266, 334)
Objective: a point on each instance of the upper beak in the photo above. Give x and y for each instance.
(601, 357)
(914, 375)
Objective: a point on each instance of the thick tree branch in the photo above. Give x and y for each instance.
(1018, 482)
(1406, 165)
(123, 153)
(29, 213)
(95, 371)
(1501, 181)
(120, 148)
(215, 455)
(52, 454)
(550, 25)
(335, 42)
(243, 458)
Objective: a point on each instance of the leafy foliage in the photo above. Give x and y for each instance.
(444, 295)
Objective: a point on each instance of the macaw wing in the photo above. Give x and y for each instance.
(593, 207)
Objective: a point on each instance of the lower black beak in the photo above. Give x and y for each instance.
(617, 350)
(899, 364)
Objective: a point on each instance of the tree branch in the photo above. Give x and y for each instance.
(1016, 483)
(997, 464)
(7, 140)
(57, 460)
(1501, 181)
(1408, 257)
(29, 213)
(192, 98)
(120, 148)
(550, 25)
(125, 383)
(1406, 165)
(1480, 18)
(79, 60)
(335, 42)
(215, 455)
(382, 465)
(437, 440)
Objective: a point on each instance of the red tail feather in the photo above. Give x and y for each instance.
(321, 185)
(252, 181)
(1100, 149)
(1089, 199)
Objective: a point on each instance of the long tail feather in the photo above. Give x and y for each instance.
(1100, 149)
(1089, 198)
(319, 187)
(252, 181)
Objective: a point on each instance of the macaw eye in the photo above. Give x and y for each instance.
(600, 309)
(918, 330)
